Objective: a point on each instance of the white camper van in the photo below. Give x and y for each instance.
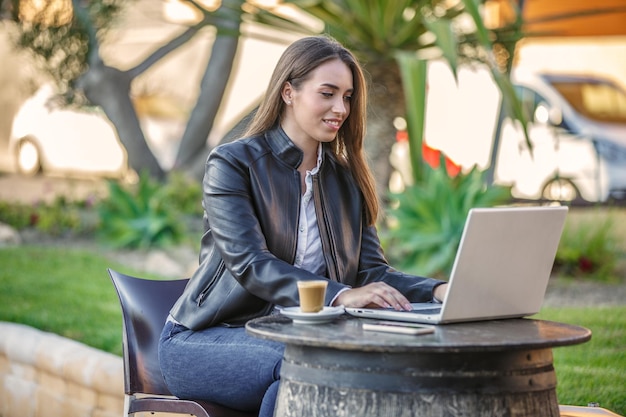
(577, 127)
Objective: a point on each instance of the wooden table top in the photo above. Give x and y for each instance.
(346, 333)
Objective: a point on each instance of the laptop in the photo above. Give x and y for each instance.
(501, 269)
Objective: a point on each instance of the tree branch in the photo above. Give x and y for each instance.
(165, 49)
(222, 20)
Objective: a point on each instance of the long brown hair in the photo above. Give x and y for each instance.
(294, 66)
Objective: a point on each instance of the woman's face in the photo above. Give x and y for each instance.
(315, 112)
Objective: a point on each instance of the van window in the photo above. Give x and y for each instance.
(598, 101)
(530, 100)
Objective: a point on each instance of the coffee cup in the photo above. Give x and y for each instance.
(312, 294)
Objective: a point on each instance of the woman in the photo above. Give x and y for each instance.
(293, 200)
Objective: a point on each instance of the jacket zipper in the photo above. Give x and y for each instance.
(205, 292)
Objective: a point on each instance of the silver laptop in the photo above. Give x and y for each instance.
(501, 270)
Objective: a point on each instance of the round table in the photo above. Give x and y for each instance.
(489, 368)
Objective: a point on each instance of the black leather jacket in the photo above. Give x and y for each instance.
(251, 200)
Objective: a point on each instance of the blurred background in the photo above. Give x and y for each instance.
(568, 66)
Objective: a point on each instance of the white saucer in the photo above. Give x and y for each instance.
(324, 316)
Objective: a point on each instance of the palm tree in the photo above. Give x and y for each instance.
(379, 32)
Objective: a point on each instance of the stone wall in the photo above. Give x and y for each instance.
(45, 375)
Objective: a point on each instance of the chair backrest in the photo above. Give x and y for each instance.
(145, 306)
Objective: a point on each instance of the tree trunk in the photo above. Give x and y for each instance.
(110, 88)
(385, 103)
(194, 148)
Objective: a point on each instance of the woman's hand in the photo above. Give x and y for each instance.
(375, 294)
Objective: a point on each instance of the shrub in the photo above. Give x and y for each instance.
(427, 219)
(185, 194)
(589, 248)
(139, 216)
(56, 218)
(19, 216)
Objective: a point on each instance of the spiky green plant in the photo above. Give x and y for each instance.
(139, 216)
(427, 219)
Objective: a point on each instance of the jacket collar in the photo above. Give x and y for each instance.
(283, 147)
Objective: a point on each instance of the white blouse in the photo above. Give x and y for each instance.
(309, 254)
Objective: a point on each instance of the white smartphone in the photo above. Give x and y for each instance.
(399, 327)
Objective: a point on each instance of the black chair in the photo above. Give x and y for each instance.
(145, 306)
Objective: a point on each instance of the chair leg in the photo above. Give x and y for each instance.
(126, 405)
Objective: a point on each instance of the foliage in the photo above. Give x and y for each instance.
(16, 215)
(52, 32)
(381, 28)
(414, 75)
(414, 81)
(185, 193)
(139, 216)
(589, 248)
(56, 218)
(427, 218)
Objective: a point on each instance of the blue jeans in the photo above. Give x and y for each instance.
(222, 365)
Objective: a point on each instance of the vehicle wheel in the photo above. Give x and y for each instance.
(28, 158)
(560, 189)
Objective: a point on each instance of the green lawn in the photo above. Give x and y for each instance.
(594, 371)
(69, 292)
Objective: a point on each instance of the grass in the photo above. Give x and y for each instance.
(68, 292)
(594, 371)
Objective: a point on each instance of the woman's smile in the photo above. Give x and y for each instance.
(334, 124)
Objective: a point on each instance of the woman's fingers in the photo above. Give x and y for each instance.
(386, 296)
(374, 294)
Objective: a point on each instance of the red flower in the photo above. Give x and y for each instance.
(433, 156)
(452, 168)
(585, 264)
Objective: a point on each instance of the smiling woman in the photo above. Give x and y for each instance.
(293, 200)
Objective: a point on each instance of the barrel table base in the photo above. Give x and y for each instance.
(322, 382)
